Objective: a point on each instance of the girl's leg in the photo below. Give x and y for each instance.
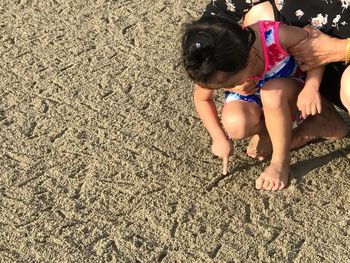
(241, 119)
(279, 99)
(260, 145)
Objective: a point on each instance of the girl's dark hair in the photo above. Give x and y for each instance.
(215, 43)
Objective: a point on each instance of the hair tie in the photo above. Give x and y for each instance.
(198, 45)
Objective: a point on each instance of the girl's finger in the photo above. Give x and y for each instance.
(225, 165)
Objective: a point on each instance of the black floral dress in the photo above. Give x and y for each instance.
(330, 16)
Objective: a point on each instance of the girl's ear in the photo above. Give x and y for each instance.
(252, 54)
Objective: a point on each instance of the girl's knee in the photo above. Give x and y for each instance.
(272, 98)
(240, 126)
(277, 94)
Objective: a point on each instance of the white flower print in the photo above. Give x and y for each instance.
(251, 1)
(336, 21)
(230, 6)
(299, 13)
(279, 4)
(319, 21)
(345, 3)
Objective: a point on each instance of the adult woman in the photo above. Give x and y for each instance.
(328, 44)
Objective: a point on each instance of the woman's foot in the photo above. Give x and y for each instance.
(275, 176)
(328, 125)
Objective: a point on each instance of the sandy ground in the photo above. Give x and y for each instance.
(103, 158)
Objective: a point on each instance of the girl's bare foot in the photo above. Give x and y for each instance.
(260, 146)
(275, 176)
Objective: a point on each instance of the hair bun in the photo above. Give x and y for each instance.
(200, 51)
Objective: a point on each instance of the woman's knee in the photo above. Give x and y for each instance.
(262, 11)
(240, 125)
(345, 88)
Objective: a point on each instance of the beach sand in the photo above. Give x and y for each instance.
(103, 158)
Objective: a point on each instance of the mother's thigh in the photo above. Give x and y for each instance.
(241, 119)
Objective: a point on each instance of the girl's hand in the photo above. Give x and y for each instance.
(318, 49)
(222, 149)
(245, 89)
(309, 102)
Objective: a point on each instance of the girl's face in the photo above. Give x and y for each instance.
(240, 81)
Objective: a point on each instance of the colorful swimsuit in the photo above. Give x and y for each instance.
(278, 63)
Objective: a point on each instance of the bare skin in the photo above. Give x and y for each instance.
(242, 119)
(260, 146)
(328, 125)
(275, 176)
(319, 49)
(278, 97)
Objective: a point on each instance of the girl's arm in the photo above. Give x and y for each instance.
(206, 109)
(207, 112)
(309, 99)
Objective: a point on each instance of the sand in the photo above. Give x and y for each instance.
(103, 158)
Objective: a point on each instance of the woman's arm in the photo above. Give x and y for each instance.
(319, 49)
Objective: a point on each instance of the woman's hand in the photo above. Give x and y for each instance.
(309, 102)
(318, 49)
(223, 149)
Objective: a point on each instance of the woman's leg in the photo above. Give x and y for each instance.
(241, 119)
(327, 125)
(345, 88)
(262, 11)
(279, 99)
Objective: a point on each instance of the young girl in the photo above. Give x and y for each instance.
(219, 54)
